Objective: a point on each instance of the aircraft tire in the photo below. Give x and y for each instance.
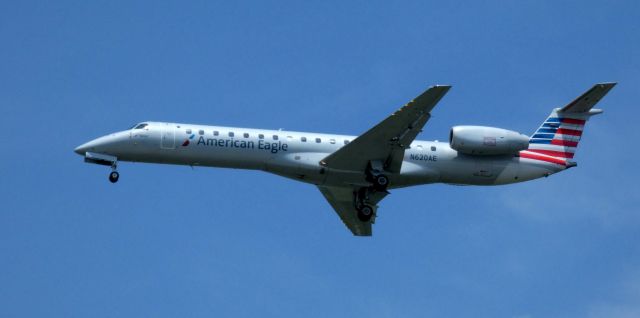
(381, 181)
(365, 213)
(114, 176)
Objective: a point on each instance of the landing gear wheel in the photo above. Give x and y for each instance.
(381, 181)
(114, 176)
(365, 213)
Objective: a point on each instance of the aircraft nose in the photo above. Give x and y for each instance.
(82, 149)
(109, 144)
(95, 145)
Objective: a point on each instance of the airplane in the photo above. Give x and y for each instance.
(354, 173)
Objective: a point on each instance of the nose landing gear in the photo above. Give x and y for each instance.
(114, 175)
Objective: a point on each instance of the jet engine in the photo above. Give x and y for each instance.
(480, 140)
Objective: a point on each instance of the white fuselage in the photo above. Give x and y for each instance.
(297, 155)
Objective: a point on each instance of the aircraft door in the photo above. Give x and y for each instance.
(168, 136)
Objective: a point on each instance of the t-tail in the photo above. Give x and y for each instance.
(558, 137)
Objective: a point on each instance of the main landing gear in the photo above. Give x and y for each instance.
(375, 175)
(114, 175)
(365, 211)
(367, 195)
(380, 182)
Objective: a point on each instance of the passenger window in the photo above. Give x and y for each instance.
(246, 135)
(231, 134)
(215, 133)
(188, 131)
(261, 136)
(346, 142)
(332, 141)
(303, 139)
(419, 147)
(275, 137)
(201, 132)
(318, 140)
(433, 148)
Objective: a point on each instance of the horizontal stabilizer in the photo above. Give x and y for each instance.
(586, 101)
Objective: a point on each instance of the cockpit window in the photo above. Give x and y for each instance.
(141, 126)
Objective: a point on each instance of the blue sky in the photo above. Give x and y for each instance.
(171, 241)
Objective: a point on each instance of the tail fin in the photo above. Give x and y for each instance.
(558, 137)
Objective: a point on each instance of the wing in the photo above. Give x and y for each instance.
(387, 141)
(342, 199)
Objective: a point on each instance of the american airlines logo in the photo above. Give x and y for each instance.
(186, 141)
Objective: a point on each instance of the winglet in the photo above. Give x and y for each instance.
(590, 98)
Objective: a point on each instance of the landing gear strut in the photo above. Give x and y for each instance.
(114, 175)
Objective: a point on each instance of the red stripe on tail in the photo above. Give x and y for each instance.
(567, 143)
(560, 154)
(534, 156)
(563, 131)
(573, 121)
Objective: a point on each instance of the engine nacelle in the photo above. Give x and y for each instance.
(480, 140)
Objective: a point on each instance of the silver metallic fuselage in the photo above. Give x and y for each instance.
(289, 156)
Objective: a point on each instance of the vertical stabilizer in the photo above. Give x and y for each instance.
(556, 140)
